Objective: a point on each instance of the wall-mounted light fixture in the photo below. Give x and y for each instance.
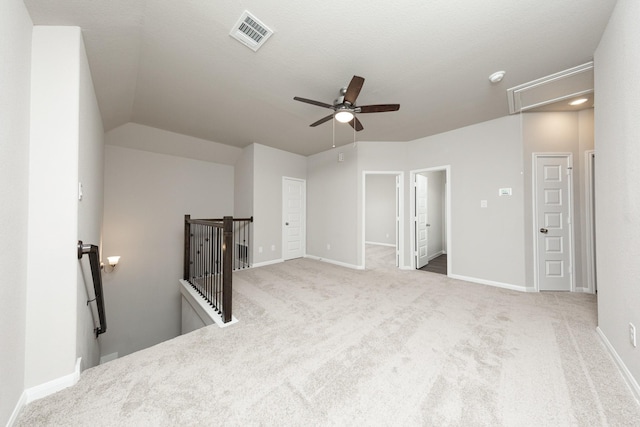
(112, 262)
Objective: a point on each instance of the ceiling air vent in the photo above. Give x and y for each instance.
(250, 31)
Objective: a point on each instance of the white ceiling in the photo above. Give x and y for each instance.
(172, 64)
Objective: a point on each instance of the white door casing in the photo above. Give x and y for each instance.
(400, 254)
(553, 222)
(421, 221)
(293, 218)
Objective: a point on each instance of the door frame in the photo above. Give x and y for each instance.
(590, 237)
(447, 203)
(399, 214)
(303, 217)
(534, 203)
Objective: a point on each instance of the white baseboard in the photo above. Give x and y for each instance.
(331, 261)
(393, 245)
(264, 263)
(436, 255)
(626, 374)
(43, 390)
(491, 283)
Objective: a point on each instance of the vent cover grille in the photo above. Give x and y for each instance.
(250, 31)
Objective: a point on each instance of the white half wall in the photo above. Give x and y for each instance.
(146, 196)
(617, 181)
(15, 93)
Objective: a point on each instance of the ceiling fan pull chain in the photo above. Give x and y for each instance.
(354, 131)
(334, 132)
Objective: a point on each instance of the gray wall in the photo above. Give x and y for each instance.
(269, 166)
(566, 132)
(145, 199)
(379, 156)
(487, 243)
(243, 183)
(15, 51)
(91, 175)
(380, 209)
(333, 206)
(617, 135)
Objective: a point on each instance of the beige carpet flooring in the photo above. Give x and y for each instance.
(321, 345)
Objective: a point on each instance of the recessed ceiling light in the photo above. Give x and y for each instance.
(497, 76)
(578, 101)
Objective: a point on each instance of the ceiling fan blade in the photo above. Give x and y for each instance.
(353, 90)
(358, 126)
(312, 102)
(322, 120)
(379, 108)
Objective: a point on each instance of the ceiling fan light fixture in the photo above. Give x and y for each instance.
(344, 116)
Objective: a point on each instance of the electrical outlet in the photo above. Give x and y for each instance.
(273, 248)
(328, 247)
(632, 334)
(259, 249)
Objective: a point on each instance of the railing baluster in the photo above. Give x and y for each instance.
(213, 249)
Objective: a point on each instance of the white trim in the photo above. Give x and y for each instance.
(436, 255)
(380, 244)
(412, 208)
(54, 386)
(492, 283)
(201, 307)
(303, 216)
(400, 249)
(513, 94)
(626, 374)
(589, 192)
(265, 263)
(339, 263)
(43, 390)
(534, 203)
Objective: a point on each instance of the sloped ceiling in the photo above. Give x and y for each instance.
(172, 64)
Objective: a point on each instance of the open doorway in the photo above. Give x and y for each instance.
(430, 220)
(382, 225)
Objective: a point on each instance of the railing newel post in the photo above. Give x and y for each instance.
(187, 247)
(227, 269)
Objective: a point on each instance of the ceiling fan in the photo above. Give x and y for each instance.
(345, 108)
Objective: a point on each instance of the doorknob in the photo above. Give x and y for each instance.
(428, 225)
(544, 230)
(286, 223)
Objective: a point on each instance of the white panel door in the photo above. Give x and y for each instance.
(293, 218)
(421, 221)
(553, 222)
